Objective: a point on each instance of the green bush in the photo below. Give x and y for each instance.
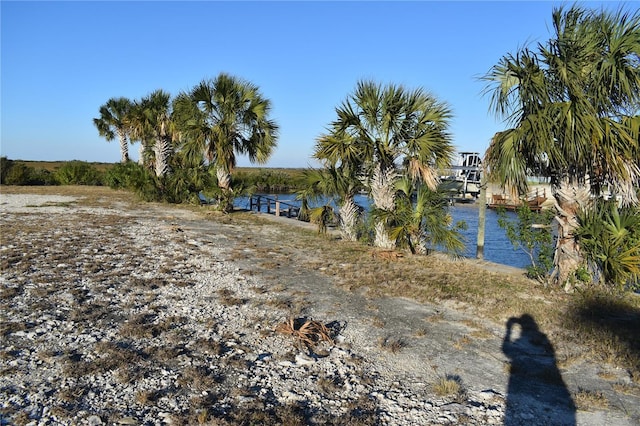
(609, 238)
(181, 185)
(78, 173)
(18, 173)
(5, 166)
(124, 175)
(184, 184)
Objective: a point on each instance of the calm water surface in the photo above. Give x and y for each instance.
(497, 247)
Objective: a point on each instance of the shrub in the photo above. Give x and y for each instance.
(124, 175)
(5, 166)
(18, 173)
(531, 233)
(609, 237)
(78, 173)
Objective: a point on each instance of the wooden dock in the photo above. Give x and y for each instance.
(264, 204)
(534, 200)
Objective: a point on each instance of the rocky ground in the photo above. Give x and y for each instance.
(153, 315)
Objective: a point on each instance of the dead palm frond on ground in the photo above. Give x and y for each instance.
(306, 331)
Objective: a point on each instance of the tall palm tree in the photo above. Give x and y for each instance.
(226, 117)
(113, 122)
(151, 121)
(566, 104)
(394, 130)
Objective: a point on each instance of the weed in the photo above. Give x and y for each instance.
(420, 332)
(258, 289)
(434, 318)
(606, 375)
(330, 385)
(627, 388)
(587, 400)
(391, 344)
(269, 265)
(147, 397)
(227, 298)
(462, 342)
(450, 386)
(377, 322)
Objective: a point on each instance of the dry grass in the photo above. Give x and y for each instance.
(227, 298)
(392, 344)
(462, 342)
(377, 322)
(421, 332)
(450, 386)
(565, 318)
(587, 400)
(627, 388)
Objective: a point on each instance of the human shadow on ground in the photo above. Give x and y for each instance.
(536, 392)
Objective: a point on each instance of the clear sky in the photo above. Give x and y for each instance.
(62, 60)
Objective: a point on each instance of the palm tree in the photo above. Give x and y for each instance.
(421, 220)
(341, 177)
(152, 125)
(333, 186)
(113, 122)
(223, 118)
(393, 130)
(567, 104)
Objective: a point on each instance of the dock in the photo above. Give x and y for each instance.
(535, 200)
(265, 204)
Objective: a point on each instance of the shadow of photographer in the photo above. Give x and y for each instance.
(536, 388)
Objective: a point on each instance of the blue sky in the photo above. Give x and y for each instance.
(61, 60)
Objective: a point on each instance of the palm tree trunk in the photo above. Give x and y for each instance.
(569, 197)
(124, 146)
(383, 192)
(224, 183)
(224, 179)
(161, 149)
(349, 214)
(141, 153)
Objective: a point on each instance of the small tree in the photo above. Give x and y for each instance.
(531, 233)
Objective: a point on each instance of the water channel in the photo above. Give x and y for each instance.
(497, 248)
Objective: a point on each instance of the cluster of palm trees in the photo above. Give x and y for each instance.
(388, 141)
(572, 106)
(213, 122)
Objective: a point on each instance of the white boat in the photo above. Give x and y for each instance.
(462, 180)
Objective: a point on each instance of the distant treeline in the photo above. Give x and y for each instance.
(21, 172)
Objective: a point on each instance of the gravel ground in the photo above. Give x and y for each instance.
(150, 317)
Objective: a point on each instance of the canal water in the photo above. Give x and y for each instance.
(497, 247)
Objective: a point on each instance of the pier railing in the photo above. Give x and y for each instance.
(262, 203)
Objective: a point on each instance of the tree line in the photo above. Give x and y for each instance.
(571, 107)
